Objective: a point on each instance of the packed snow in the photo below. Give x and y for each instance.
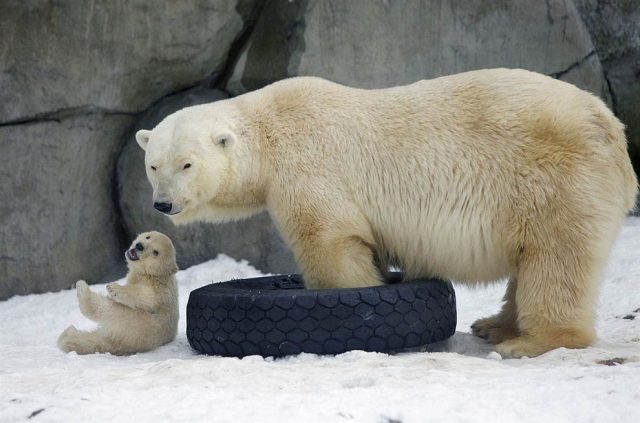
(458, 380)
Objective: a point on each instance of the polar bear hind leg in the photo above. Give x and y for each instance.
(557, 284)
(84, 342)
(92, 305)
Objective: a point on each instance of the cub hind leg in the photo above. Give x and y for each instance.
(84, 342)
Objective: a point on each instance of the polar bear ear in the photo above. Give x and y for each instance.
(142, 136)
(225, 139)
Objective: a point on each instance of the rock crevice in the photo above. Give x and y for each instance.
(560, 74)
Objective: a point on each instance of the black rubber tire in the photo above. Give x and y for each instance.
(275, 316)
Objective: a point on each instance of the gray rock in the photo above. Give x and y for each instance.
(58, 215)
(255, 239)
(72, 76)
(378, 44)
(108, 55)
(614, 25)
(615, 28)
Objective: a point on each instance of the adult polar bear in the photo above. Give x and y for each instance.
(472, 177)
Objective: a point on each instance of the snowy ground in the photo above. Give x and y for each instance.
(462, 381)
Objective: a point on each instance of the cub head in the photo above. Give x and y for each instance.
(152, 253)
(188, 161)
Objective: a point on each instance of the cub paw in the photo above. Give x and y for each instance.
(113, 289)
(66, 339)
(82, 289)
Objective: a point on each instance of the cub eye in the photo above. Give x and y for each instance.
(153, 168)
(149, 237)
(155, 252)
(187, 166)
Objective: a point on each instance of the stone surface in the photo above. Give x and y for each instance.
(615, 28)
(255, 239)
(111, 55)
(73, 74)
(614, 25)
(59, 220)
(379, 44)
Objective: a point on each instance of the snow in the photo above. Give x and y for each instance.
(459, 380)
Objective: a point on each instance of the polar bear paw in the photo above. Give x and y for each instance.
(495, 329)
(66, 340)
(81, 289)
(543, 341)
(113, 290)
(85, 299)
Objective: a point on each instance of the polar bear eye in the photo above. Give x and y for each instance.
(187, 166)
(153, 168)
(155, 252)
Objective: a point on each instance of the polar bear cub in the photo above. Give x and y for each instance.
(138, 316)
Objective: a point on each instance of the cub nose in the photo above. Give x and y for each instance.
(139, 246)
(162, 207)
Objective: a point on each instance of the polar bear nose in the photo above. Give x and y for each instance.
(139, 246)
(162, 207)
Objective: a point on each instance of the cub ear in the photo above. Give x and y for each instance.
(225, 139)
(142, 136)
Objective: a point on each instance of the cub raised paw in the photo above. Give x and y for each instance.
(113, 289)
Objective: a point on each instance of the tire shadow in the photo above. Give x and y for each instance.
(462, 343)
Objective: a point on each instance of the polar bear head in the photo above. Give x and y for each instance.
(193, 162)
(152, 253)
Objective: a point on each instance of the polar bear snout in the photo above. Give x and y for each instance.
(163, 207)
(133, 254)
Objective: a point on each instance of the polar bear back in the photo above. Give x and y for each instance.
(449, 177)
(448, 168)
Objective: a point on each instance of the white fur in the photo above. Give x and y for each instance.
(139, 316)
(473, 177)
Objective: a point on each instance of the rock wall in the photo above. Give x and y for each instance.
(74, 76)
(615, 30)
(374, 44)
(77, 78)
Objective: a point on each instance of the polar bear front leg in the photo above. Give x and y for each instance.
(337, 262)
(333, 254)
